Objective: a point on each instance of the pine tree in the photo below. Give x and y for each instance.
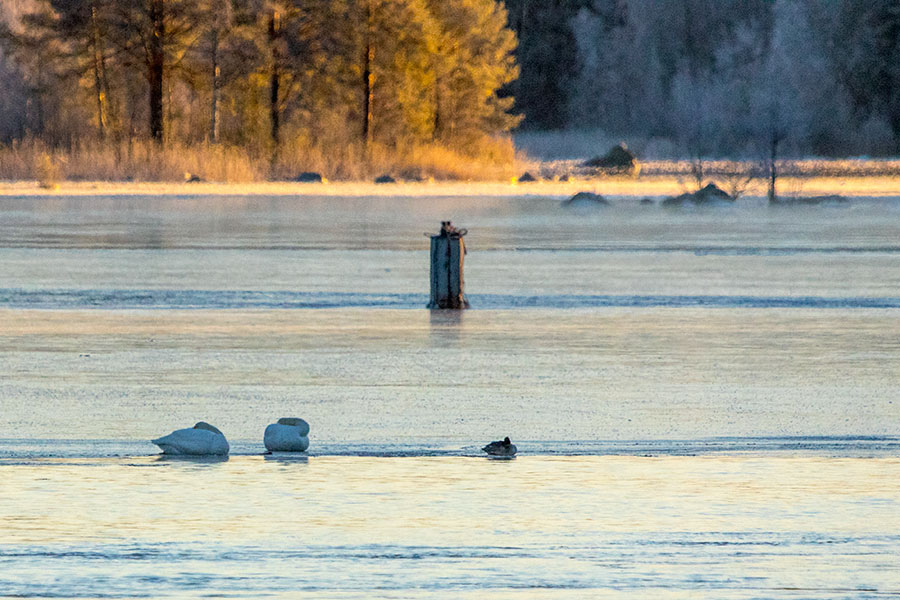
(548, 57)
(81, 27)
(386, 66)
(473, 60)
(153, 37)
(866, 56)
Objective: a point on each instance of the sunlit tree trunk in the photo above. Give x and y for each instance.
(155, 66)
(436, 127)
(274, 79)
(368, 76)
(215, 71)
(99, 76)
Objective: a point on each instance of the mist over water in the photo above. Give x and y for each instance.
(706, 402)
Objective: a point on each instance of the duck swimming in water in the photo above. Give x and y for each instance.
(287, 435)
(200, 440)
(504, 448)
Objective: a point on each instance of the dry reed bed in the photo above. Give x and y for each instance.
(492, 160)
(489, 160)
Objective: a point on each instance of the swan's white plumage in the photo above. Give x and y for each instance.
(300, 424)
(201, 439)
(287, 435)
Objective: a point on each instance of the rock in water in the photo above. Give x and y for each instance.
(309, 177)
(711, 194)
(619, 160)
(588, 199)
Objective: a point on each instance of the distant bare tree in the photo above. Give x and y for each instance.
(776, 110)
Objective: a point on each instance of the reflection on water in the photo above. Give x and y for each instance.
(445, 327)
(286, 458)
(191, 460)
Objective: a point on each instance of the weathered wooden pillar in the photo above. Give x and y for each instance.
(447, 253)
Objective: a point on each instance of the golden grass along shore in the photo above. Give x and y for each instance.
(491, 168)
(652, 186)
(489, 159)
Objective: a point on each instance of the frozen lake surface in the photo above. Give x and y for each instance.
(706, 402)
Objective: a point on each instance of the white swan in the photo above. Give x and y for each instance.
(504, 448)
(201, 439)
(287, 435)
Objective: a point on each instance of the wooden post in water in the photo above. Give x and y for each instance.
(447, 253)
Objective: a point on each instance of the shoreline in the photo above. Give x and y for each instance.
(645, 186)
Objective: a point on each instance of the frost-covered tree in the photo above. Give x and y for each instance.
(681, 68)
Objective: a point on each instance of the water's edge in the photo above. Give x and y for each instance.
(16, 450)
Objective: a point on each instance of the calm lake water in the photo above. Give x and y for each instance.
(706, 402)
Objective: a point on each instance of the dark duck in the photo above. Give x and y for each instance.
(504, 448)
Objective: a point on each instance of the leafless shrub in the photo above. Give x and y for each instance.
(738, 177)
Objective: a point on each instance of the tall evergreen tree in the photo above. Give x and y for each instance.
(865, 50)
(473, 59)
(152, 36)
(548, 58)
(387, 52)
